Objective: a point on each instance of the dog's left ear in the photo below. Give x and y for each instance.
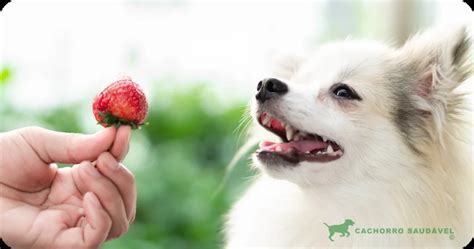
(440, 59)
(435, 63)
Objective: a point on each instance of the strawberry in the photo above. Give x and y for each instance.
(121, 103)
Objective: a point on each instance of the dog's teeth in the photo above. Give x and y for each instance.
(319, 153)
(266, 120)
(278, 149)
(330, 149)
(307, 152)
(337, 153)
(325, 139)
(289, 133)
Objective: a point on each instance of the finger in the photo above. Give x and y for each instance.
(90, 231)
(52, 146)
(123, 179)
(82, 222)
(98, 222)
(89, 179)
(121, 142)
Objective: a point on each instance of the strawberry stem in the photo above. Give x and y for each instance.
(111, 120)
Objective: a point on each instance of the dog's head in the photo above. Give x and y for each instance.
(356, 107)
(349, 222)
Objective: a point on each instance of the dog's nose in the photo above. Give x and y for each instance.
(270, 88)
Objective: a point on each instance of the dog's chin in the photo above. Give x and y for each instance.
(302, 173)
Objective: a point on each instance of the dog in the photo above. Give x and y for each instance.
(343, 228)
(364, 130)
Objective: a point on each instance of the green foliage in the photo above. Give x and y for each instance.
(179, 160)
(5, 75)
(189, 148)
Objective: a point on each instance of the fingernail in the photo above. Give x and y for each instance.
(91, 170)
(93, 199)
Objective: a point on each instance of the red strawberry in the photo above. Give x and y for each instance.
(121, 103)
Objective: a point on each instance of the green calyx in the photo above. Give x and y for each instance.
(111, 120)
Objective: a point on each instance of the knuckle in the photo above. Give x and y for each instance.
(30, 131)
(34, 129)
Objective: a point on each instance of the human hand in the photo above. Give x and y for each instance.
(78, 207)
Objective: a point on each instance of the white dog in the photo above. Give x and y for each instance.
(365, 132)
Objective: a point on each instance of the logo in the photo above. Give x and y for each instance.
(343, 229)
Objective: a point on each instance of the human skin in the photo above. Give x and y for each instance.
(82, 206)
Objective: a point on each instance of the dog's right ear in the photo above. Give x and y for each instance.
(286, 66)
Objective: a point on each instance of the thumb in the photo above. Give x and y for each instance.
(122, 139)
(61, 147)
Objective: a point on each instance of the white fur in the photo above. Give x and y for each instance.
(379, 181)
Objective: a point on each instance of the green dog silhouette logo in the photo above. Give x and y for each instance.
(343, 229)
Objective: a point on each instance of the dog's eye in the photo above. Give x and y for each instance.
(343, 91)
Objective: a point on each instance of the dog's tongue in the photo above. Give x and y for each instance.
(302, 145)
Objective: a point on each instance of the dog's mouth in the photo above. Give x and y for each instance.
(297, 145)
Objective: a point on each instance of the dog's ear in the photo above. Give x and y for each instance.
(285, 66)
(437, 62)
(440, 59)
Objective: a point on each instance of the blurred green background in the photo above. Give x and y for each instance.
(179, 160)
